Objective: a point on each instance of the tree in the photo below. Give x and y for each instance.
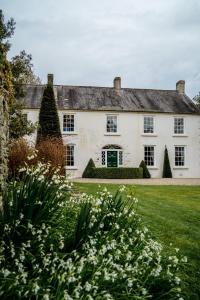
(22, 71)
(167, 173)
(197, 99)
(89, 170)
(146, 173)
(49, 125)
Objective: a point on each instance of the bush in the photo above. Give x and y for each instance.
(49, 125)
(89, 170)
(19, 151)
(51, 150)
(146, 173)
(118, 173)
(58, 245)
(167, 173)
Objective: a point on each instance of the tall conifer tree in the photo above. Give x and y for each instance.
(167, 173)
(49, 126)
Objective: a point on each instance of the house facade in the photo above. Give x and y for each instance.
(120, 127)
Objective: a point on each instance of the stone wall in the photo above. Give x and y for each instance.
(3, 142)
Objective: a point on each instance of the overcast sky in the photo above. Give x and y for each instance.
(149, 43)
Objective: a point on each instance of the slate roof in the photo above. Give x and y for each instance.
(89, 98)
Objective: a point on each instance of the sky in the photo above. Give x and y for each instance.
(148, 43)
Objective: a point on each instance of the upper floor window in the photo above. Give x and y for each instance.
(111, 124)
(149, 155)
(179, 125)
(68, 123)
(179, 156)
(148, 124)
(70, 155)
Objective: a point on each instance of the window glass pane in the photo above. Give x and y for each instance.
(68, 123)
(149, 155)
(148, 125)
(120, 158)
(179, 155)
(103, 158)
(178, 125)
(111, 123)
(70, 155)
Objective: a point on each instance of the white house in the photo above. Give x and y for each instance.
(119, 127)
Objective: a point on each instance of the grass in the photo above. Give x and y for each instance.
(173, 215)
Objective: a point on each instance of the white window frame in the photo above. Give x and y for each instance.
(118, 159)
(112, 132)
(179, 133)
(180, 166)
(154, 156)
(66, 156)
(68, 114)
(153, 119)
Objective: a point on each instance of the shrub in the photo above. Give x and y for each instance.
(118, 173)
(58, 245)
(89, 170)
(51, 150)
(146, 173)
(167, 173)
(19, 150)
(49, 125)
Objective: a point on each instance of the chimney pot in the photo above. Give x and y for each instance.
(117, 83)
(180, 86)
(50, 79)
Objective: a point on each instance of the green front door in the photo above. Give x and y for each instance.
(112, 159)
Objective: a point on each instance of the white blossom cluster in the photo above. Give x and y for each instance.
(114, 257)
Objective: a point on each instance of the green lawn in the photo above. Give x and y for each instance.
(173, 215)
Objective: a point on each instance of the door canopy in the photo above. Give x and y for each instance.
(111, 146)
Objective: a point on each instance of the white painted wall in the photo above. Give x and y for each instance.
(90, 136)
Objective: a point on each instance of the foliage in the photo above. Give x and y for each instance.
(6, 31)
(22, 71)
(19, 151)
(104, 252)
(19, 125)
(167, 173)
(196, 99)
(118, 173)
(52, 150)
(89, 170)
(146, 173)
(111, 173)
(49, 125)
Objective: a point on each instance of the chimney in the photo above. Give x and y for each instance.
(117, 84)
(50, 79)
(180, 86)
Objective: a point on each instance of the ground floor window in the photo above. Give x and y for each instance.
(70, 155)
(112, 156)
(179, 156)
(149, 155)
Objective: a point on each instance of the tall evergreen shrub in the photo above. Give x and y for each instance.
(167, 173)
(89, 170)
(49, 125)
(146, 173)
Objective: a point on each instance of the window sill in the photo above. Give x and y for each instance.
(69, 133)
(180, 135)
(149, 134)
(152, 167)
(180, 168)
(112, 133)
(71, 168)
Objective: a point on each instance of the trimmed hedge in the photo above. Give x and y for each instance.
(118, 173)
(111, 173)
